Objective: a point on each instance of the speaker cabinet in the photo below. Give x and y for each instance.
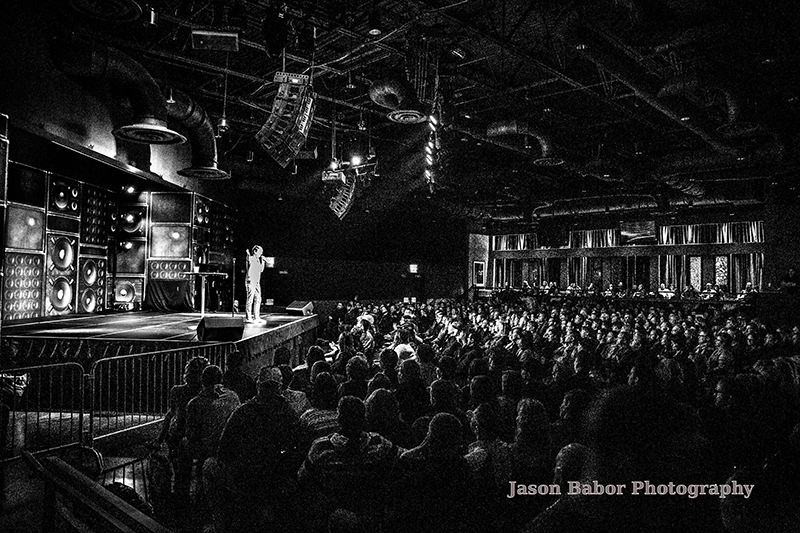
(92, 285)
(218, 328)
(22, 285)
(170, 270)
(286, 129)
(130, 222)
(60, 291)
(299, 307)
(130, 257)
(3, 167)
(25, 228)
(171, 207)
(65, 197)
(96, 214)
(126, 293)
(27, 185)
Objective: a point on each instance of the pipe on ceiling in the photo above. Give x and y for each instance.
(521, 127)
(618, 66)
(194, 118)
(687, 83)
(80, 58)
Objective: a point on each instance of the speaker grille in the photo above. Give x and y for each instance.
(22, 286)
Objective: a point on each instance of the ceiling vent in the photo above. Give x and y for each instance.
(201, 134)
(394, 95)
(523, 128)
(79, 58)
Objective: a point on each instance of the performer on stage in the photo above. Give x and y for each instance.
(255, 266)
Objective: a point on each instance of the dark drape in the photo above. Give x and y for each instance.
(169, 295)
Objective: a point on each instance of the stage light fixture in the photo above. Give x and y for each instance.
(150, 17)
(375, 22)
(355, 160)
(130, 189)
(334, 164)
(428, 149)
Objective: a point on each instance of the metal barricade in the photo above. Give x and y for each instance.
(42, 408)
(132, 391)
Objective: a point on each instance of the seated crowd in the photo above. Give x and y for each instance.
(425, 417)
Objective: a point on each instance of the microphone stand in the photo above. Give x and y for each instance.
(233, 288)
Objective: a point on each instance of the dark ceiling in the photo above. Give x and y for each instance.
(547, 107)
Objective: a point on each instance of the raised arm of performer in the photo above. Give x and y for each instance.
(255, 266)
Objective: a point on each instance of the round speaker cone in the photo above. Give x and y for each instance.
(61, 195)
(63, 253)
(61, 294)
(88, 301)
(124, 292)
(89, 272)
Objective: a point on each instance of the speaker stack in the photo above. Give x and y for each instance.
(286, 129)
(63, 232)
(3, 173)
(93, 258)
(23, 261)
(129, 225)
(170, 256)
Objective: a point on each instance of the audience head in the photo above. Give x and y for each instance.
(269, 379)
(573, 405)
(234, 360)
(194, 370)
(382, 409)
(344, 521)
(357, 368)
(425, 353)
(481, 390)
(445, 433)
(532, 425)
(388, 361)
(512, 385)
(212, 375)
(282, 356)
(409, 371)
(486, 422)
(318, 368)
(314, 354)
(325, 393)
(444, 396)
(447, 368)
(351, 416)
(569, 465)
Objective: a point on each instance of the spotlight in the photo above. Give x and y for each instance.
(427, 173)
(429, 159)
(150, 17)
(222, 126)
(374, 22)
(428, 149)
(355, 160)
(127, 245)
(334, 164)
(130, 189)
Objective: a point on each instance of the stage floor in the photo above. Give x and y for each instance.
(150, 326)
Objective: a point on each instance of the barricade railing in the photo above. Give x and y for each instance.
(53, 406)
(43, 408)
(132, 391)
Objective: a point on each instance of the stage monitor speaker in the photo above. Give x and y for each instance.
(299, 307)
(220, 328)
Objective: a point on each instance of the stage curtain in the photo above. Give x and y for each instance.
(169, 295)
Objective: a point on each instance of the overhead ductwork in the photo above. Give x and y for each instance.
(187, 112)
(400, 99)
(629, 73)
(523, 128)
(79, 58)
(693, 86)
(108, 10)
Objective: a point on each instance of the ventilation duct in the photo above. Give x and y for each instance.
(97, 61)
(108, 10)
(187, 112)
(628, 73)
(693, 85)
(395, 95)
(520, 127)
